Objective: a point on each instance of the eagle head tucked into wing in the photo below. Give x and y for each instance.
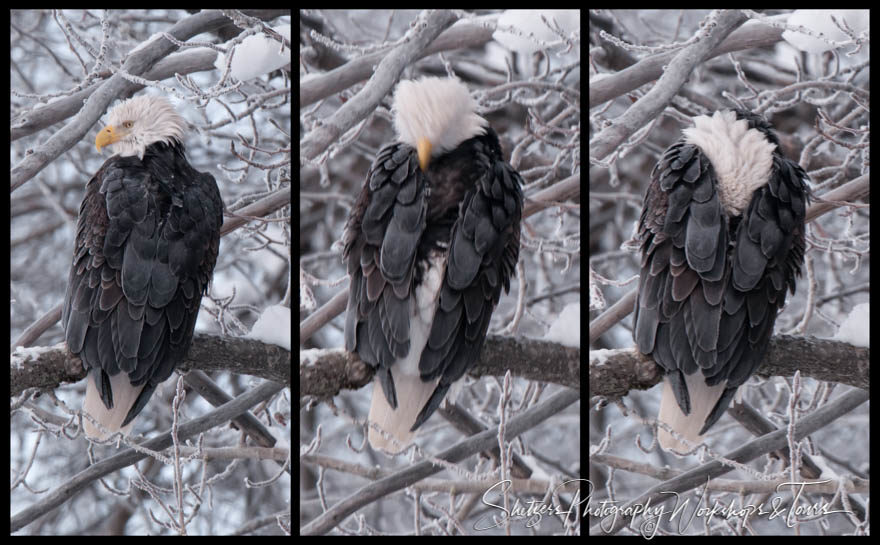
(722, 241)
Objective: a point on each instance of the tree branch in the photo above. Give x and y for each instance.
(324, 373)
(613, 373)
(48, 368)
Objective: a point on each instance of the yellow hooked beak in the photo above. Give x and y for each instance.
(424, 149)
(108, 135)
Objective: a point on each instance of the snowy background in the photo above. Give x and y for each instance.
(526, 81)
(815, 93)
(240, 133)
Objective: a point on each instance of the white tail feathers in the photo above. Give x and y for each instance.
(124, 396)
(412, 394)
(703, 399)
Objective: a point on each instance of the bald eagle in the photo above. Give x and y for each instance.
(430, 243)
(722, 240)
(146, 244)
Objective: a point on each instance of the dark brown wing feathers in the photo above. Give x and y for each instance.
(469, 212)
(711, 285)
(146, 244)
